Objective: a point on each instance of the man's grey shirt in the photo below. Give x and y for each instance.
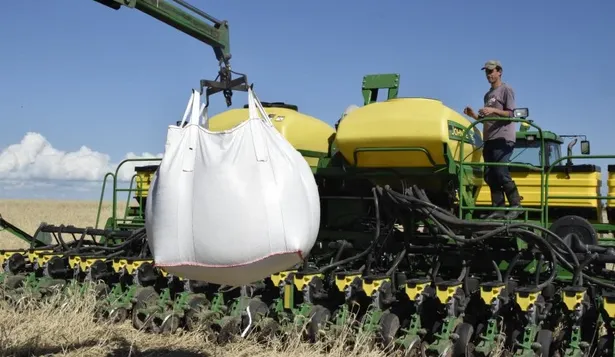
(503, 98)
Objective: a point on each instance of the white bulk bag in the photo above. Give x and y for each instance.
(231, 207)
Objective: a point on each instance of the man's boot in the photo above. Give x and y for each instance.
(497, 200)
(514, 199)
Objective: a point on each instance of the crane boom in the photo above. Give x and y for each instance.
(216, 36)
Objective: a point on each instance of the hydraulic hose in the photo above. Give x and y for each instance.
(398, 259)
(416, 201)
(366, 251)
(523, 229)
(448, 218)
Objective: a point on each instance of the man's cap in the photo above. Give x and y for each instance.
(492, 64)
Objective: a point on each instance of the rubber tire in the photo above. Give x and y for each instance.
(544, 337)
(389, 325)
(603, 347)
(118, 316)
(230, 329)
(258, 311)
(319, 316)
(574, 224)
(13, 282)
(462, 345)
(196, 304)
(170, 325)
(143, 297)
(101, 291)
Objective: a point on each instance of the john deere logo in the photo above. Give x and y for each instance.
(455, 132)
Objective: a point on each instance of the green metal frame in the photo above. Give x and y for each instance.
(373, 82)
(544, 169)
(313, 155)
(114, 222)
(463, 182)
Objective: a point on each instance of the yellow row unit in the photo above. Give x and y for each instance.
(143, 179)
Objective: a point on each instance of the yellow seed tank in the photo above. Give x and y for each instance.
(405, 133)
(305, 133)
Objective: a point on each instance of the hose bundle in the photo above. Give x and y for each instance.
(467, 232)
(131, 243)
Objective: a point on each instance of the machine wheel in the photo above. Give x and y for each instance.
(267, 328)
(544, 337)
(101, 290)
(319, 316)
(144, 298)
(415, 349)
(389, 324)
(603, 347)
(577, 225)
(261, 324)
(196, 304)
(118, 315)
(462, 346)
(230, 327)
(170, 324)
(258, 311)
(15, 264)
(13, 282)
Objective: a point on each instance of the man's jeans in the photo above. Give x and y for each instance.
(498, 177)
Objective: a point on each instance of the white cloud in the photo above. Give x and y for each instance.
(35, 162)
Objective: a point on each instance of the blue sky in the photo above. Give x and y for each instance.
(91, 84)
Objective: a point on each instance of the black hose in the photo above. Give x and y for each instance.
(398, 259)
(538, 269)
(497, 270)
(435, 270)
(578, 277)
(524, 229)
(511, 266)
(551, 252)
(440, 216)
(366, 251)
(501, 226)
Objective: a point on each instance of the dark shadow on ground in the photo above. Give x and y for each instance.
(122, 349)
(133, 351)
(35, 349)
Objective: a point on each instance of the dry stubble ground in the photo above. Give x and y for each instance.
(65, 328)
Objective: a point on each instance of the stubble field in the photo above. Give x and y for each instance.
(64, 326)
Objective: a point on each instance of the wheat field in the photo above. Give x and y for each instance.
(64, 326)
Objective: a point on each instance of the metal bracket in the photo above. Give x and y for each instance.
(224, 83)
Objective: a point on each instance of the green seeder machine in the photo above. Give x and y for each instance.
(403, 259)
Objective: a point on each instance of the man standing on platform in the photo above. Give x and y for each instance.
(499, 140)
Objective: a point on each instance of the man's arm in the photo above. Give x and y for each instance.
(469, 112)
